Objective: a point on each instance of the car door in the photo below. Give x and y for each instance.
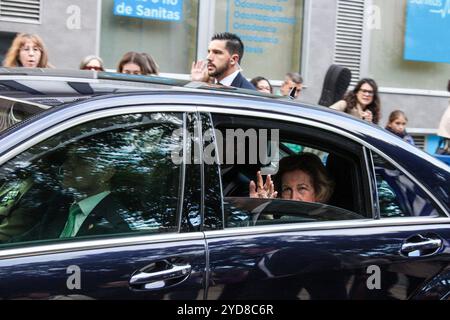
(128, 240)
(280, 249)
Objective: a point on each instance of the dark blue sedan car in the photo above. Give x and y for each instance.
(138, 188)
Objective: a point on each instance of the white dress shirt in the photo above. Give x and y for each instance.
(227, 81)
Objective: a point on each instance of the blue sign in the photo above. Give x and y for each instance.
(167, 10)
(427, 31)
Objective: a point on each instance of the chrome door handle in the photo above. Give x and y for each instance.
(175, 271)
(423, 245)
(173, 274)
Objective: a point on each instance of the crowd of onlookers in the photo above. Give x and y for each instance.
(222, 67)
(28, 50)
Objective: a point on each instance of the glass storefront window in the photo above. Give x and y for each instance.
(386, 55)
(171, 39)
(6, 39)
(271, 32)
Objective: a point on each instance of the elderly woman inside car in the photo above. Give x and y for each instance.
(300, 177)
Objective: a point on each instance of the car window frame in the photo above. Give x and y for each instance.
(375, 221)
(436, 203)
(51, 130)
(367, 199)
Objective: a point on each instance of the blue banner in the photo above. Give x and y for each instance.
(167, 10)
(427, 31)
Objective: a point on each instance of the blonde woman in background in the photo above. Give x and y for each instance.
(27, 50)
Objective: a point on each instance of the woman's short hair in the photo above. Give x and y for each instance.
(12, 58)
(312, 165)
(88, 59)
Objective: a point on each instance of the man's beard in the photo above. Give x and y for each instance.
(219, 71)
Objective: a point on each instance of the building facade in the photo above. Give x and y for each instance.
(374, 38)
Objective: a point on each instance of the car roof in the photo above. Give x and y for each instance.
(25, 92)
(56, 87)
(225, 99)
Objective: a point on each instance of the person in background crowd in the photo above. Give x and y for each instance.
(133, 63)
(151, 64)
(444, 131)
(27, 50)
(225, 52)
(92, 63)
(292, 80)
(363, 102)
(397, 125)
(262, 85)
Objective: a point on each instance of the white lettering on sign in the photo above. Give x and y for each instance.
(74, 20)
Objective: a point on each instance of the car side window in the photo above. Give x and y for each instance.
(398, 195)
(314, 175)
(111, 176)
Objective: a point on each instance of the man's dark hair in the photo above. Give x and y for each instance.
(234, 44)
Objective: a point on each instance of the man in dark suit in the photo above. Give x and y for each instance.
(81, 205)
(87, 173)
(55, 223)
(225, 52)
